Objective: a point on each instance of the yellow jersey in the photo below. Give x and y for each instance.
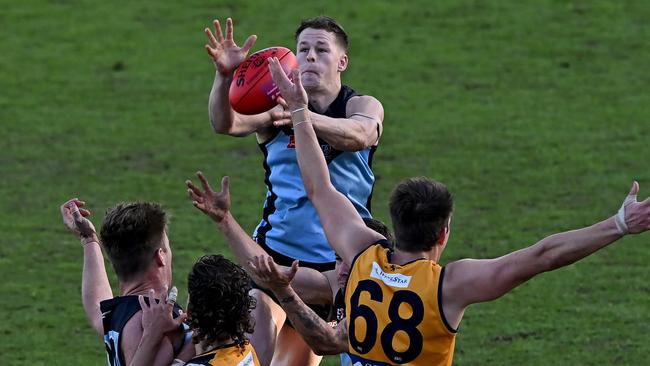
(394, 312)
(230, 355)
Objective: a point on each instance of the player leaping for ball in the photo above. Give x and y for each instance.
(349, 126)
(402, 307)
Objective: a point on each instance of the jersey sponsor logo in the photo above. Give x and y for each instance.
(391, 279)
(360, 361)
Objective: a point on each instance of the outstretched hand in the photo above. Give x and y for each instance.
(291, 89)
(75, 219)
(224, 51)
(266, 273)
(633, 216)
(214, 204)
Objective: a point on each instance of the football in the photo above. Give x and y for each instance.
(252, 90)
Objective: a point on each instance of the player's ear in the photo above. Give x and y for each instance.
(160, 257)
(343, 63)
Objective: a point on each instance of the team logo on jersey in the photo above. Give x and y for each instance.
(391, 279)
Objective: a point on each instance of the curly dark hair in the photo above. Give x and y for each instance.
(219, 307)
(131, 233)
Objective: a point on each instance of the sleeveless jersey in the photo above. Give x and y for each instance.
(290, 224)
(394, 313)
(116, 312)
(230, 355)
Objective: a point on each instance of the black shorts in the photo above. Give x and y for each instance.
(323, 311)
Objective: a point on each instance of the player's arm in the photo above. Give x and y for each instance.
(344, 228)
(94, 282)
(312, 287)
(471, 281)
(227, 56)
(321, 337)
(216, 205)
(360, 129)
(153, 346)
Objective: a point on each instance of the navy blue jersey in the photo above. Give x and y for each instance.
(116, 312)
(290, 223)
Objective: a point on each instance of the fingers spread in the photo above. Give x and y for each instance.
(217, 29)
(211, 38)
(229, 29)
(225, 185)
(249, 43)
(204, 182)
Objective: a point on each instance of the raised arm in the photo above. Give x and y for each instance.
(471, 281)
(227, 56)
(94, 282)
(344, 228)
(320, 336)
(216, 205)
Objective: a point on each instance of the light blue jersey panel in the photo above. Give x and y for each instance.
(290, 224)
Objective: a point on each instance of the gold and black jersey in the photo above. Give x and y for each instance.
(394, 312)
(230, 355)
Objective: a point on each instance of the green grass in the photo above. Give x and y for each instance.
(535, 115)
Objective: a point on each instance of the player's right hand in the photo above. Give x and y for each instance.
(75, 219)
(214, 204)
(266, 273)
(224, 51)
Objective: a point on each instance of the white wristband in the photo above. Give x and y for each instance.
(620, 220)
(621, 225)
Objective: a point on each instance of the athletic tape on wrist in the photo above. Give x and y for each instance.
(621, 225)
(173, 294)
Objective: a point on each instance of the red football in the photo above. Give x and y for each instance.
(252, 90)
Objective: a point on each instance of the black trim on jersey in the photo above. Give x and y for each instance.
(269, 205)
(372, 189)
(338, 303)
(442, 313)
(283, 260)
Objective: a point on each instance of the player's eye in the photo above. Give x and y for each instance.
(303, 50)
(323, 50)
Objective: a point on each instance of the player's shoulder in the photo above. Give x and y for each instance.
(365, 105)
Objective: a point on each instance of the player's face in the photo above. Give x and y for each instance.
(342, 272)
(168, 257)
(320, 59)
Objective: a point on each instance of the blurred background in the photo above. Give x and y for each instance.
(535, 114)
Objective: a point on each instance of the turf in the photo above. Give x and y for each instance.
(535, 114)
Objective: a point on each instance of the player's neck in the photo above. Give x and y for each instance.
(142, 285)
(321, 98)
(401, 257)
(204, 346)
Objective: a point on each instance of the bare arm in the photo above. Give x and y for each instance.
(344, 228)
(361, 129)
(472, 281)
(312, 287)
(227, 56)
(320, 337)
(94, 282)
(216, 205)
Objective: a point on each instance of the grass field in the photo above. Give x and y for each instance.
(535, 114)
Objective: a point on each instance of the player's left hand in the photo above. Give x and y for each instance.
(265, 272)
(291, 89)
(75, 219)
(634, 216)
(157, 317)
(214, 204)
